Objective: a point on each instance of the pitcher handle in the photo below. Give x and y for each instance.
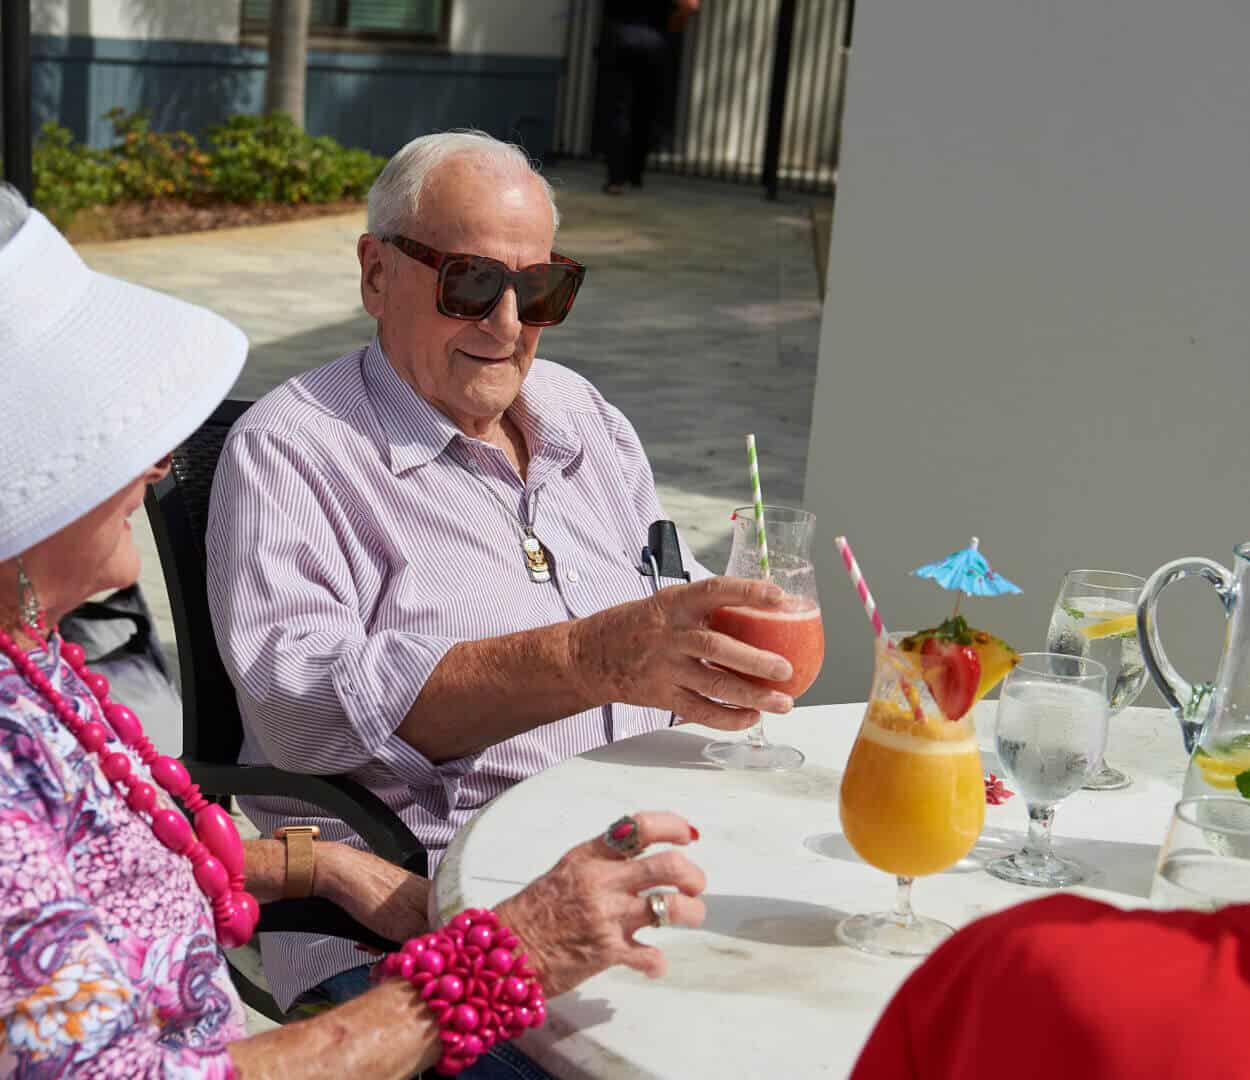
(1186, 700)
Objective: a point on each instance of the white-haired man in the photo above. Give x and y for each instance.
(422, 556)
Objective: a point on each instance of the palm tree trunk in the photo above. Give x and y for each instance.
(288, 58)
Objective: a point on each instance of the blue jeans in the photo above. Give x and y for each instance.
(504, 1062)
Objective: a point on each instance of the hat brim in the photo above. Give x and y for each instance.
(121, 377)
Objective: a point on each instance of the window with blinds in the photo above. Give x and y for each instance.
(364, 18)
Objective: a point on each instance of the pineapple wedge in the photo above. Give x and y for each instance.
(996, 656)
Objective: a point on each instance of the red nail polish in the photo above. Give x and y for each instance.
(694, 833)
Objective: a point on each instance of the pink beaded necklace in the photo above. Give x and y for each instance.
(215, 851)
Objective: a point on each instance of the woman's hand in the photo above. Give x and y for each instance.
(581, 916)
(378, 894)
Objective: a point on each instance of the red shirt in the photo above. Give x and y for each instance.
(1065, 987)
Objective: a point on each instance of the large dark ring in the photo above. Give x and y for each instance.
(624, 836)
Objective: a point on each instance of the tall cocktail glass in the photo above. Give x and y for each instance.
(794, 632)
(912, 800)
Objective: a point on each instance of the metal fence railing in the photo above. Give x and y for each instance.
(756, 98)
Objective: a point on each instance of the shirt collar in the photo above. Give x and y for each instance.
(417, 432)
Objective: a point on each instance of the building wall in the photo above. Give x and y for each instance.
(185, 64)
(1036, 327)
(139, 20)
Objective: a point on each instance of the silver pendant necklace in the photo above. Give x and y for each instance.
(536, 564)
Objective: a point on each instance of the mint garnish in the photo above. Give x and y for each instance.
(1072, 612)
(1243, 783)
(955, 629)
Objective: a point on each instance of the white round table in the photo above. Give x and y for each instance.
(763, 988)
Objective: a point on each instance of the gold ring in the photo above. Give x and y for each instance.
(658, 904)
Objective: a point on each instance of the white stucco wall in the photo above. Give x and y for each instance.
(510, 27)
(144, 20)
(1037, 327)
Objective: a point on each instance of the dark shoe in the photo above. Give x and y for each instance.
(614, 189)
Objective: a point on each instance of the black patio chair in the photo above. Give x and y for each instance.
(212, 728)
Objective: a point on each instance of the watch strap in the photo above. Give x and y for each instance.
(301, 860)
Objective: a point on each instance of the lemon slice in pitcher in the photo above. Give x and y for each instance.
(1221, 770)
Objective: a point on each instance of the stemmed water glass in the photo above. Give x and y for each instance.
(795, 631)
(1095, 615)
(1049, 735)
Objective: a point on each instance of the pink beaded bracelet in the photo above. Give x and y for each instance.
(479, 993)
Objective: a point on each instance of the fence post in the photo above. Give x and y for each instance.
(844, 60)
(777, 95)
(15, 61)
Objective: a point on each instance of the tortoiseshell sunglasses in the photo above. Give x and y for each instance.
(469, 286)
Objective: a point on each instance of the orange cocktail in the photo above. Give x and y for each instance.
(794, 632)
(913, 796)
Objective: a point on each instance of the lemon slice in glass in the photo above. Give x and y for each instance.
(1121, 624)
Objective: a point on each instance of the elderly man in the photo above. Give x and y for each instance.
(422, 556)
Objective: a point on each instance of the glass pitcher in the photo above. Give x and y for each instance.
(1214, 717)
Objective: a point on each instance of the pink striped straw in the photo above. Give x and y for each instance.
(870, 609)
(861, 586)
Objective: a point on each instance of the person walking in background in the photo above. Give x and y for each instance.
(632, 60)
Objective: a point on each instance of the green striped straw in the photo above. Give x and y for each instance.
(757, 497)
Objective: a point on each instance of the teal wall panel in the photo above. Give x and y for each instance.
(375, 100)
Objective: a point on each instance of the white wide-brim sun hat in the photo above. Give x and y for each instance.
(101, 379)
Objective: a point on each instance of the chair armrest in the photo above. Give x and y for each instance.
(365, 814)
(316, 915)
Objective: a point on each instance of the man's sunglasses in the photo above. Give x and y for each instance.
(469, 286)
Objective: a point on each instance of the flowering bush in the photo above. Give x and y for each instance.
(248, 159)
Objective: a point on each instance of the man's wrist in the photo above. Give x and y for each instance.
(586, 663)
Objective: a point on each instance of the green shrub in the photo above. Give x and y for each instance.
(69, 176)
(269, 159)
(156, 166)
(248, 159)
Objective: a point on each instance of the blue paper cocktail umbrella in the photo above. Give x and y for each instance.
(968, 573)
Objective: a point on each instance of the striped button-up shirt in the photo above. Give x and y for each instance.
(352, 542)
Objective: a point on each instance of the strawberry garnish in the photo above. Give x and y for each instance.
(952, 672)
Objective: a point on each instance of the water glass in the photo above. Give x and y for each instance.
(1050, 734)
(1095, 615)
(1205, 862)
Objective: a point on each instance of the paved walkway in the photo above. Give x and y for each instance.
(699, 319)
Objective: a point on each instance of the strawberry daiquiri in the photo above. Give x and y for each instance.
(795, 632)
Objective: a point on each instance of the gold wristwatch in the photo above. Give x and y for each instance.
(300, 859)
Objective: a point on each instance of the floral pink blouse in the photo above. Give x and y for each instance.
(110, 963)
